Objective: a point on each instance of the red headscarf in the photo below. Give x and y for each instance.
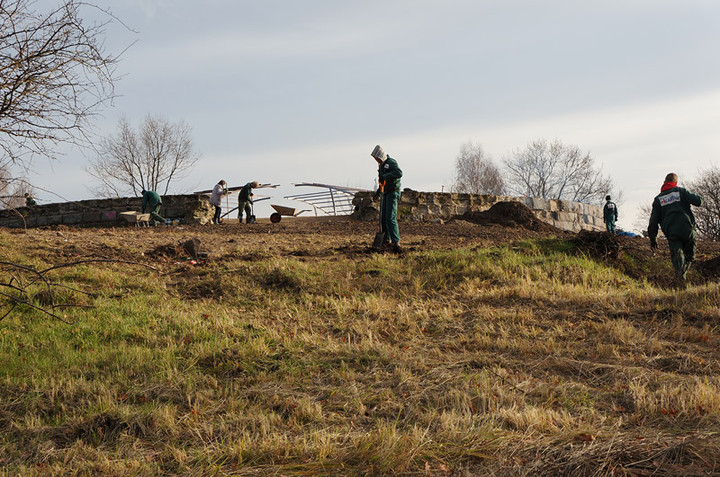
(667, 186)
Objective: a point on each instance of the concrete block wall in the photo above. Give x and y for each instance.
(193, 209)
(417, 206)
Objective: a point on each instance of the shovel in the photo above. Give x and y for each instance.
(251, 218)
(380, 236)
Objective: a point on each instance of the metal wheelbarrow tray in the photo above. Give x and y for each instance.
(281, 210)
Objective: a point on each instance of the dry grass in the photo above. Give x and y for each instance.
(302, 355)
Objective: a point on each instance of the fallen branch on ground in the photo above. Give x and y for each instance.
(25, 286)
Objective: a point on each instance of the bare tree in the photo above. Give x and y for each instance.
(707, 185)
(12, 189)
(54, 76)
(556, 171)
(643, 218)
(476, 173)
(150, 158)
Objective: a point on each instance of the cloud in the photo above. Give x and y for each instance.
(343, 29)
(150, 9)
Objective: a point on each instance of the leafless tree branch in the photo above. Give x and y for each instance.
(476, 173)
(150, 158)
(24, 284)
(553, 170)
(55, 76)
(707, 185)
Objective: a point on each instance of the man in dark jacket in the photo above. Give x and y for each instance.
(610, 214)
(389, 175)
(151, 200)
(672, 212)
(245, 201)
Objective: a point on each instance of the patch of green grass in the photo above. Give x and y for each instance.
(442, 361)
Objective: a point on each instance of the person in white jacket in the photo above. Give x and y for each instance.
(216, 196)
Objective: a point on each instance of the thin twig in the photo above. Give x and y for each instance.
(12, 307)
(41, 309)
(96, 260)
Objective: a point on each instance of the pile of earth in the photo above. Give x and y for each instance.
(598, 244)
(709, 268)
(509, 214)
(181, 249)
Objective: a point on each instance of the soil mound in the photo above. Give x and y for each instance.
(709, 268)
(181, 249)
(169, 250)
(508, 214)
(598, 244)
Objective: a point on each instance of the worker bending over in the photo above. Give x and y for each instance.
(151, 201)
(245, 200)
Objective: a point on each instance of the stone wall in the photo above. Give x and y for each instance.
(193, 209)
(196, 209)
(435, 206)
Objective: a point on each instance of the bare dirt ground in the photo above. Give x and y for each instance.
(342, 237)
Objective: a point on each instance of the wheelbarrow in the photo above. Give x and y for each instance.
(137, 218)
(281, 210)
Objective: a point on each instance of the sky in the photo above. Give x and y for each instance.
(288, 91)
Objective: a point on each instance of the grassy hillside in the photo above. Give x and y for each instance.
(288, 355)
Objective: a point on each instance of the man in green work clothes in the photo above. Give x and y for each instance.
(389, 175)
(245, 200)
(29, 200)
(610, 214)
(671, 210)
(151, 200)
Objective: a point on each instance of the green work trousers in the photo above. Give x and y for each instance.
(610, 225)
(243, 206)
(155, 214)
(682, 253)
(388, 216)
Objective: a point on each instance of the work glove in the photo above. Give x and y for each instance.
(653, 243)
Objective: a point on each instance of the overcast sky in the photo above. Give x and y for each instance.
(286, 91)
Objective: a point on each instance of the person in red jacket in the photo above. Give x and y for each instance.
(672, 212)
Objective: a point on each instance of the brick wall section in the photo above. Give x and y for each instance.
(194, 209)
(433, 206)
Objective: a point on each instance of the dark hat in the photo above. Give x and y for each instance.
(607, 197)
